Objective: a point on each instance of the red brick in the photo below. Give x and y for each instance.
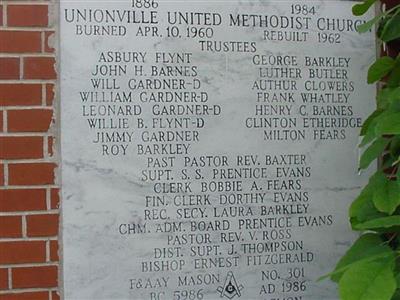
(42, 225)
(48, 36)
(55, 296)
(12, 200)
(22, 252)
(9, 68)
(13, 94)
(31, 174)
(3, 279)
(1, 121)
(10, 227)
(39, 68)
(27, 15)
(32, 120)
(54, 251)
(49, 94)
(1, 175)
(19, 147)
(25, 296)
(390, 3)
(32, 277)
(55, 198)
(20, 41)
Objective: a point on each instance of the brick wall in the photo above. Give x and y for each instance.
(28, 160)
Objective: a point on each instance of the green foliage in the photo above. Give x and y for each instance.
(381, 223)
(391, 30)
(384, 200)
(367, 247)
(373, 152)
(368, 26)
(380, 69)
(363, 207)
(369, 280)
(390, 124)
(362, 8)
(370, 270)
(388, 97)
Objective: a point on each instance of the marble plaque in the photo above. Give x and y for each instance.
(209, 148)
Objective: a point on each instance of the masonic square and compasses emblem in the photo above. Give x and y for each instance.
(230, 289)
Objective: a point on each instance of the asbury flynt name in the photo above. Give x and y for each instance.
(232, 110)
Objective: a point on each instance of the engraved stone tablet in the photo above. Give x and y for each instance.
(209, 148)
